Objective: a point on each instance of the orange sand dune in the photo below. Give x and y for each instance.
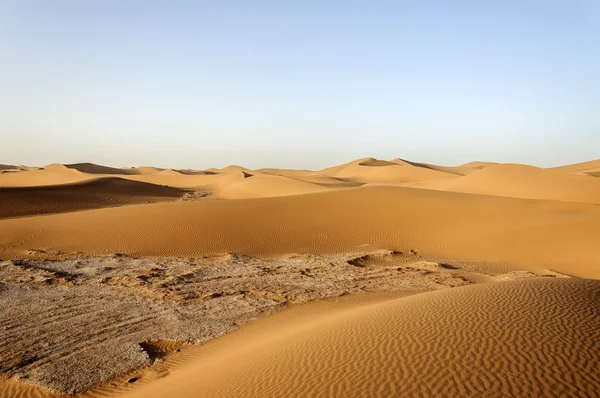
(90, 194)
(512, 232)
(584, 166)
(478, 164)
(268, 186)
(521, 181)
(91, 168)
(330, 182)
(529, 338)
(284, 172)
(176, 179)
(445, 169)
(145, 170)
(53, 174)
(369, 170)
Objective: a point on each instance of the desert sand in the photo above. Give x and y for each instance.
(476, 280)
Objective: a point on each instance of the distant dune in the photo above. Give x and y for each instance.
(91, 194)
(369, 170)
(477, 164)
(268, 186)
(520, 181)
(53, 174)
(91, 168)
(585, 166)
(461, 171)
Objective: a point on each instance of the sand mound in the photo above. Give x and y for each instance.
(584, 166)
(91, 168)
(267, 186)
(461, 171)
(284, 172)
(170, 172)
(478, 164)
(370, 170)
(103, 192)
(526, 182)
(556, 235)
(54, 174)
(372, 162)
(195, 172)
(230, 169)
(55, 167)
(146, 170)
(523, 338)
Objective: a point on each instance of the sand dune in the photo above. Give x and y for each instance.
(540, 234)
(145, 170)
(369, 170)
(91, 194)
(477, 164)
(284, 172)
(461, 171)
(520, 181)
(268, 186)
(91, 168)
(584, 166)
(526, 338)
(49, 175)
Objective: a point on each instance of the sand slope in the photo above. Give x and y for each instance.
(369, 170)
(523, 338)
(49, 175)
(268, 186)
(91, 194)
(91, 168)
(520, 181)
(459, 170)
(572, 168)
(557, 235)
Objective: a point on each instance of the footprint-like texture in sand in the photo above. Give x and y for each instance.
(528, 338)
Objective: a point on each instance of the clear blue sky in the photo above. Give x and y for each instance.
(298, 83)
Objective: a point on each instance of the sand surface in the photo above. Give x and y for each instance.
(523, 338)
(92, 263)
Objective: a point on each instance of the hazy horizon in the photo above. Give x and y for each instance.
(270, 84)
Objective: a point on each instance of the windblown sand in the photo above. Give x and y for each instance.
(496, 253)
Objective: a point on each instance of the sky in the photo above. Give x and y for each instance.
(298, 84)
